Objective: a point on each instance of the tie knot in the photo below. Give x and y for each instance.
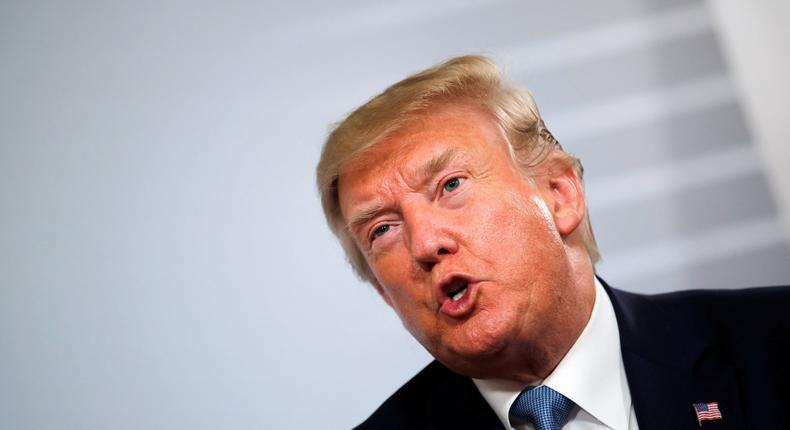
(543, 407)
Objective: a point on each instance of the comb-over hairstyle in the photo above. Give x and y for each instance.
(471, 80)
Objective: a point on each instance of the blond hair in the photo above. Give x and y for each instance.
(468, 79)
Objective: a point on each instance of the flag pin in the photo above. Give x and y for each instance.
(707, 412)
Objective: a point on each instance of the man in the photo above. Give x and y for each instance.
(451, 197)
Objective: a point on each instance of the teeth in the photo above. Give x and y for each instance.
(458, 294)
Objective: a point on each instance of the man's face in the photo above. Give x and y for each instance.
(463, 246)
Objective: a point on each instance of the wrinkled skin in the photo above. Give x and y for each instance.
(472, 212)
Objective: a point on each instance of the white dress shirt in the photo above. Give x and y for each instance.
(591, 374)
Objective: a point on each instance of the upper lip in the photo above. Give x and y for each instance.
(450, 282)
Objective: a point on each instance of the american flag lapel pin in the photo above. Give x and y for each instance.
(707, 412)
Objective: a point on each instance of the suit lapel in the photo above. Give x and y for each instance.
(670, 365)
(458, 404)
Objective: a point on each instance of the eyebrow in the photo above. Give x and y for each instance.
(436, 164)
(428, 169)
(363, 216)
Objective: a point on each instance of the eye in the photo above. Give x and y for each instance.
(452, 184)
(380, 231)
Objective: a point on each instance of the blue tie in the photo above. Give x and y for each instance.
(542, 407)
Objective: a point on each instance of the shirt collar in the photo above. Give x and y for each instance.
(591, 374)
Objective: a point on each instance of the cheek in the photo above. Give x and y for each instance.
(389, 269)
(507, 227)
(518, 242)
(398, 281)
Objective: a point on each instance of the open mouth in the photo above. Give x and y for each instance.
(458, 295)
(458, 292)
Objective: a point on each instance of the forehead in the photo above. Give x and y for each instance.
(468, 128)
(470, 132)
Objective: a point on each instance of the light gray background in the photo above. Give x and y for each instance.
(163, 258)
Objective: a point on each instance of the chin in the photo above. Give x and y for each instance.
(480, 366)
(478, 351)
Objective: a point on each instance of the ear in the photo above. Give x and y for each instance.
(565, 197)
(381, 292)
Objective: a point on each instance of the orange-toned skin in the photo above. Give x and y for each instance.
(514, 235)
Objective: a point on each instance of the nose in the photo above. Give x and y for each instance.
(430, 237)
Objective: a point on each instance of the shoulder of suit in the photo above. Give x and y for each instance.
(726, 313)
(408, 405)
(757, 296)
(436, 398)
(759, 300)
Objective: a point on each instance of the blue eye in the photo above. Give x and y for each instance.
(378, 232)
(452, 184)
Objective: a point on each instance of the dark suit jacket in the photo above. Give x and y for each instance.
(730, 347)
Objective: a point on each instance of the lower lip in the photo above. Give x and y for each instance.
(463, 306)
